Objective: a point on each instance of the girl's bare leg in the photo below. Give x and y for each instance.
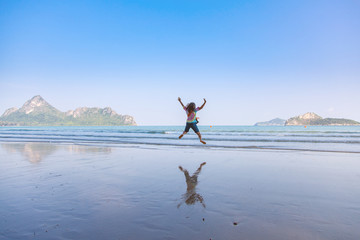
(182, 135)
(199, 135)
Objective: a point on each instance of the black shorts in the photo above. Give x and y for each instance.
(192, 126)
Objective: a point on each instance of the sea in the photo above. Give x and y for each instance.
(292, 138)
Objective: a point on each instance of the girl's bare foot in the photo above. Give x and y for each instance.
(202, 142)
(181, 136)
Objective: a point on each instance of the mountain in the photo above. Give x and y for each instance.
(314, 119)
(38, 112)
(273, 122)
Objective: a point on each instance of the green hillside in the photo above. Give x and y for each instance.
(37, 112)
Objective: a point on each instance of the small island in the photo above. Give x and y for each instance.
(309, 119)
(38, 112)
(273, 122)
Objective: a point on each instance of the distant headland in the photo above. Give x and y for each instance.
(309, 119)
(38, 112)
(273, 122)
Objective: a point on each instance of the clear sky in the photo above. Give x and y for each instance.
(252, 60)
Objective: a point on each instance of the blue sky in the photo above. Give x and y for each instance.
(252, 60)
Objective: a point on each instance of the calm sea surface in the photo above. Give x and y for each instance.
(311, 138)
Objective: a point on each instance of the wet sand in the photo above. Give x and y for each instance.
(50, 191)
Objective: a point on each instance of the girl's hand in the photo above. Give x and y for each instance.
(179, 99)
(204, 100)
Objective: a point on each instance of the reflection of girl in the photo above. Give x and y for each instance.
(191, 122)
(191, 197)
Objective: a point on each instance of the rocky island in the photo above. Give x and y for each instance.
(311, 118)
(38, 112)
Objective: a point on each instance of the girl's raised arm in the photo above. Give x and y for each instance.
(179, 99)
(203, 104)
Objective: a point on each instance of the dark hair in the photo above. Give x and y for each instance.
(191, 107)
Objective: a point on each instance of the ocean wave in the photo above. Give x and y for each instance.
(209, 146)
(339, 138)
(53, 137)
(164, 132)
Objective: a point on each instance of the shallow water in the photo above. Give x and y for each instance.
(311, 138)
(66, 191)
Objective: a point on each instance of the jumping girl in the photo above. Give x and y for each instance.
(191, 122)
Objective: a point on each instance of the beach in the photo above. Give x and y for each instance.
(179, 120)
(77, 190)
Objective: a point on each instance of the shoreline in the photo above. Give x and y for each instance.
(198, 146)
